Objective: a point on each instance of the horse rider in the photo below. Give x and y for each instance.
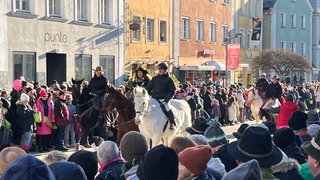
(98, 84)
(273, 91)
(141, 78)
(262, 85)
(162, 88)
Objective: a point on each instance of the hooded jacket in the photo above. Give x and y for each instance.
(287, 169)
(286, 110)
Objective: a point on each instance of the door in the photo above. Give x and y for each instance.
(56, 68)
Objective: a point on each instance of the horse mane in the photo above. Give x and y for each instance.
(111, 89)
(141, 90)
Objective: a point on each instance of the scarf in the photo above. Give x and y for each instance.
(104, 165)
(45, 107)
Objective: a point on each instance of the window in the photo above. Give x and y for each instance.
(185, 28)
(302, 48)
(256, 8)
(292, 47)
(224, 33)
(24, 64)
(23, 5)
(106, 11)
(242, 7)
(108, 64)
(150, 30)
(250, 8)
(83, 10)
(54, 8)
(282, 20)
(249, 34)
(225, 2)
(241, 38)
(212, 0)
(199, 30)
(292, 20)
(83, 66)
(136, 34)
(303, 22)
(163, 31)
(213, 32)
(283, 45)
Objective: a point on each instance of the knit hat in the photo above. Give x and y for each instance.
(298, 120)
(195, 159)
(247, 171)
(240, 131)
(160, 163)
(43, 92)
(17, 84)
(29, 89)
(8, 155)
(24, 97)
(133, 146)
(61, 93)
(290, 98)
(87, 160)
(215, 135)
(313, 129)
(67, 171)
(313, 117)
(27, 167)
(283, 137)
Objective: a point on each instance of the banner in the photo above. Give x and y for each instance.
(256, 30)
(233, 56)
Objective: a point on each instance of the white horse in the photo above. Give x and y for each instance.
(256, 102)
(153, 123)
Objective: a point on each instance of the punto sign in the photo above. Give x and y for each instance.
(55, 38)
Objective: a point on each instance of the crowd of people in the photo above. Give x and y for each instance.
(288, 148)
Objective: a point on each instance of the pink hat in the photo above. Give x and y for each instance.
(17, 85)
(43, 92)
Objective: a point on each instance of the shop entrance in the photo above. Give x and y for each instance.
(56, 67)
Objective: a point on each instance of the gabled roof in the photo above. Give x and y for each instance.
(269, 3)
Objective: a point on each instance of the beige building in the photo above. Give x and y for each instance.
(49, 40)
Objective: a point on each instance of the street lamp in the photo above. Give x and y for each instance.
(226, 40)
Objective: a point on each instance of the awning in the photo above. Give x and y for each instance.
(210, 65)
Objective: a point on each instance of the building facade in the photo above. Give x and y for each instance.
(287, 25)
(148, 34)
(316, 39)
(200, 28)
(245, 12)
(57, 40)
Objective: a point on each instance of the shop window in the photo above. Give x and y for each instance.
(108, 64)
(83, 66)
(106, 11)
(24, 64)
(163, 31)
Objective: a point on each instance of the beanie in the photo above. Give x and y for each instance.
(290, 98)
(215, 135)
(24, 97)
(67, 171)
(28, 89)
(283, 137)
(61, 93)
(298, 120)
(313, 129)
(195, 159)
(160, 163)
(133, 146)
(43, 92)
(87, 160)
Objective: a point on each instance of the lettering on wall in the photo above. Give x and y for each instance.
(55, 38)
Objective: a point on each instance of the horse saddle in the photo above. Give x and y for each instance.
(163, 108)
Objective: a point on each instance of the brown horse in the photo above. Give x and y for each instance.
(125, 107)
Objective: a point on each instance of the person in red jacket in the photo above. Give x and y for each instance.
(286, 111)
(61, 116)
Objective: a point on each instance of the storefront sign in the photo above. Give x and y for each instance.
(55, 38)
(233, 56)
(207, 51)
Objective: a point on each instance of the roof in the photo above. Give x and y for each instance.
(269, 3)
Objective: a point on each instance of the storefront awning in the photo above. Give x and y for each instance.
(211, 65)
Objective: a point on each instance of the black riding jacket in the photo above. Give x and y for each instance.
(98, 85)
(162, 87)
(262, 85)
(274, 90)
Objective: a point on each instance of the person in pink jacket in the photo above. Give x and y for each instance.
(43, 131)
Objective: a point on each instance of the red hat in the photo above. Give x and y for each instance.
(43, 92)
(195, 159)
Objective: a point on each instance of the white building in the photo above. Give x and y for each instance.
(45, 40)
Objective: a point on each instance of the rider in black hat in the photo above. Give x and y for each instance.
(141, 78)
(162, 87)
(98, 84)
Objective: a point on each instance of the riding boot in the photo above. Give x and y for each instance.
(171, 119)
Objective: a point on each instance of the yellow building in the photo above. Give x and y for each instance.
(147, 32)
(245, 11)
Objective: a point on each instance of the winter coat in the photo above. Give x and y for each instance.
(162, 87)
(318, 95)
(233, 109)
(225, 158)
(293, 151)
(61, 112)
(143, 82)
(206, 101)
(72, 110)
(98, 85)
(131, 174)
(24, 115)
(42, 128)
(205, 176)
(267, 173)
(274, 90)
(111, 172)
(287, 169)
(262, 84)
(241, 100)
(286, 110)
